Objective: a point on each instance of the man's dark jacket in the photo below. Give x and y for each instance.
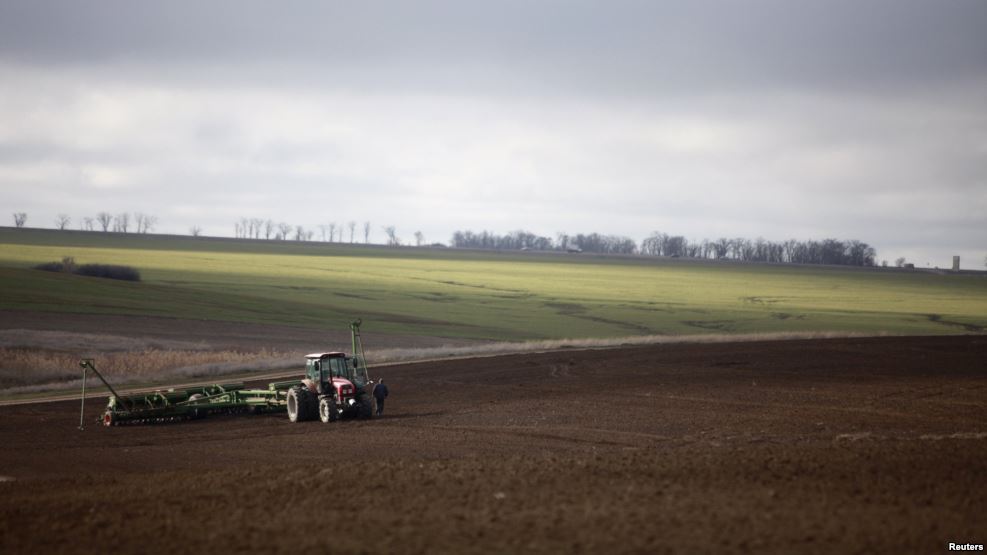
(380, 391)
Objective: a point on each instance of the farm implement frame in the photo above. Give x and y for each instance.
(174, 405)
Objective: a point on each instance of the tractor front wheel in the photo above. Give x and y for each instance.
(327, 409)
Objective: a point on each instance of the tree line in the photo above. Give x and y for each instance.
(122, 222)
(828, 251)
(332, 232)
(243, 228)
(593, 242)
(259, 228)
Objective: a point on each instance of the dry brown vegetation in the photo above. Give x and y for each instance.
(38, 361)
(25, 370)
(32, 362)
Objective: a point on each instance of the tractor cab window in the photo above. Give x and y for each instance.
(337, 367)
(312, 369)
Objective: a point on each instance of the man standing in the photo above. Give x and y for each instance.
(380, 393)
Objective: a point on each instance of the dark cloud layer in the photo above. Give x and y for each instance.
(653, 44)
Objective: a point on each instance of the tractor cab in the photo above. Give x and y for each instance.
(322, 367)
(325, 367)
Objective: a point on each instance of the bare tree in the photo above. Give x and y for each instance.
(195, 230)
(419, 238)
(88, 223)
(20, 218)
(145, 222)
(322, 228)
(121, 222)
(352, 226)
(366, 232)
(299, 233)
(257, 224)
(62, 221)
(654, 244)
(332, 231)
(562, 240)
(392, 237)
(104, 219)
(899, 262)
(68, 264)
(283, 231)
(268, 229)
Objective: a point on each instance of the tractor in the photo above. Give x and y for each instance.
(334, 385)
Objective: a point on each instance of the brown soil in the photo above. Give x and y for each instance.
(826, 446)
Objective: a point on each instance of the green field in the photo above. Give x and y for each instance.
(471, 294)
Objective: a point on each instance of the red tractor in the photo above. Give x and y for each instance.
(335, 385)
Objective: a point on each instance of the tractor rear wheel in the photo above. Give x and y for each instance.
(327, 409)
(302, 404)
(366, 406)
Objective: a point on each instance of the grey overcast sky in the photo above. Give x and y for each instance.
(781, 119)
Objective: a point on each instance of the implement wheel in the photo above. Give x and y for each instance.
(302, 404)
(328, 412)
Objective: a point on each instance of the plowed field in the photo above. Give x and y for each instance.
(826, 446)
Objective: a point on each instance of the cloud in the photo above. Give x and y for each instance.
(774, 119)
(631, 45)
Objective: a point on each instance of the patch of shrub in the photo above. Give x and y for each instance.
(50, 267)
(108, 271)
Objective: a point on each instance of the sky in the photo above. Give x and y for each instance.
(775, 119)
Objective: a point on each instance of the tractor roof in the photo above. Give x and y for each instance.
(332, 354)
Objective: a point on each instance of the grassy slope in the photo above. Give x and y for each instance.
(476, 294)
